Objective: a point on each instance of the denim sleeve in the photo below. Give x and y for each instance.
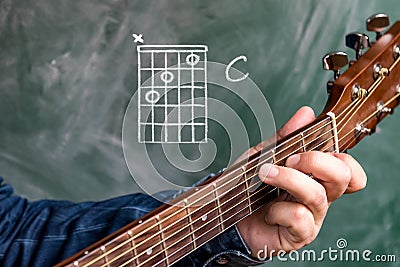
(43, 233)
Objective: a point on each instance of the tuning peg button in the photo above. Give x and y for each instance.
(377, 23)
(334, 62)
(396, 51)
(358, 42)
(382, 109)
(360, 129)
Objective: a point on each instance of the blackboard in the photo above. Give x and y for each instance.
(68, 71)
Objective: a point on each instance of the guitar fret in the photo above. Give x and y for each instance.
(160, 230)
(260, 197)
(246, 182)
(133, 247)
(218, 206)
(205, 215)
(284, 151)
(303, 143)
(233, 196)
(176, 233)
(273, 156)
(119, 251)
(190, 223)
(103, 250)
(319, 137)
(273, 162)
(149, 248)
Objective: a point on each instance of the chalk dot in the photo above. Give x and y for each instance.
(167, 76)
(152, 96)
(192, 59)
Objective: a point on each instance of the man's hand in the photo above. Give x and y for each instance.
(295, 218)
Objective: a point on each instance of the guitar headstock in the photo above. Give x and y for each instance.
(369, 89)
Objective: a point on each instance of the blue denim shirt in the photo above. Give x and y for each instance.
(45, 232)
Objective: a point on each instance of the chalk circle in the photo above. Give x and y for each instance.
(192, 59)
(152, 96)
(167, 76)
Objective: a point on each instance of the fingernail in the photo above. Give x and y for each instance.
(293, 160)
(269, 171)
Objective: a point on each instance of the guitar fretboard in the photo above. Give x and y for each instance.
(202, 213)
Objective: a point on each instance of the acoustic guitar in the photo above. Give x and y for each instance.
(359, 99)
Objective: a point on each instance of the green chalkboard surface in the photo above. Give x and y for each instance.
(68, 70)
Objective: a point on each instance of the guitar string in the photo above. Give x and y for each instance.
(253, 195)
(370, 90)
(365, 100)
(374, 86)
(344, 137)
(256, 159)
(246, 199)
(110, 251)
(248, 170)
(394, 64)
(352, 112)
(219, 187)
(213, 228)
(279, 152)
(121, 255)
(157, 233)
(377, 111)
(383, 78)
(377, 81)
(217, 225)
(241, 202)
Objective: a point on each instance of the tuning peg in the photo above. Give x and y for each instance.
(335, 61)
(381, 108)
(360, 129)
(377, 23)
(358, 42)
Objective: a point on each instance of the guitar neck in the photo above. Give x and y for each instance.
(174, 230)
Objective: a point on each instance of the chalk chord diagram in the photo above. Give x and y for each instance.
(172, 93)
